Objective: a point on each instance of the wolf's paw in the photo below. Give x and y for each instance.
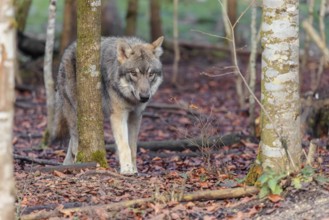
(128, 170)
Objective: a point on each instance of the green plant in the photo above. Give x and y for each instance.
(270, 183)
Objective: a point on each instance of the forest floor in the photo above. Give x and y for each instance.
(164, 174)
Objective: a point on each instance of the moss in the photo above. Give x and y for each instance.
(98, 156)
(255, 170)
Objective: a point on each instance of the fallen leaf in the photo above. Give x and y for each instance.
(59, 174)
(274, 198)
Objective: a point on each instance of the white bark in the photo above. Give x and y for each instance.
(280, 138)
(252, 66)
(47, 68)
(7, 73)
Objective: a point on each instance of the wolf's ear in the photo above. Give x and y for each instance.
(123, 51)
(157, 49)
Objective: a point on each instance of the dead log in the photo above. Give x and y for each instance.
(34, 160)
(59, 167)
(192, 143)
(195, 196)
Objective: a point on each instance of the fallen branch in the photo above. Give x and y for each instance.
(192, 144)
(78, 166)
(195, 196)
(34, 160)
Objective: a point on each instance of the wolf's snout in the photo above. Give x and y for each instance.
(144, 97)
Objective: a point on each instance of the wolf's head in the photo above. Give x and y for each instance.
(140, 69)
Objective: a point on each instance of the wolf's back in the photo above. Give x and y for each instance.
(65, 96)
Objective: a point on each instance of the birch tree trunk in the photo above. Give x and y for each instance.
(280, 136)
(131, 18)
(252, 67)
(47, 70)
(7, 75)
(90, 115)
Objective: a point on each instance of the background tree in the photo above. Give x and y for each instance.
(155, 19)
(69, 33)
(47, 69)
(280, 145)
(176, 45)
(22, 12)
(111, 19)
(90, 115)
(131, 17)
(7, 69)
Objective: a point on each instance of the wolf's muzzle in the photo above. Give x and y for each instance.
(144, 98)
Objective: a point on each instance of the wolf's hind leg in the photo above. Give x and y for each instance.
(134, 122)
(119, 121)
(70, 114)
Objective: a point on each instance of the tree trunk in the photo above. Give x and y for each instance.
(22, 12)
(69, 33)
(90, 115)
(111, 19)
(7, 75)
(176, 45)
(280, 137)
(252, 67)
(232, 7)
(155, 20)
(131, 18)
(47, 69)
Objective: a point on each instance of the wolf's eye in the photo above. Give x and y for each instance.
(151, 74)
(133, 74)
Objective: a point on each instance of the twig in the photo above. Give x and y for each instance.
(195, 196)
(33, 160)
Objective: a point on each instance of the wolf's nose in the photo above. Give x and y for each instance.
(144, 98)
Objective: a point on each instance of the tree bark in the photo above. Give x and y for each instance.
(252, 67)
(155, 19)
(280, 137)
(131, 18)
(69, 33)
(175, 41)
(47, 69)
(90, 115)
(7, 96)
(22, 12)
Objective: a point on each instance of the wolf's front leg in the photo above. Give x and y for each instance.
(134, 122)
(119, 126)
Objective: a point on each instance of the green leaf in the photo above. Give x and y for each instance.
(272, 183)
(321, 179)
(277, 190)
(296, 182)
(308, 171)
(263, 178)
(264, 191)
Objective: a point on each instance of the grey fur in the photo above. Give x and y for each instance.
(131, 73)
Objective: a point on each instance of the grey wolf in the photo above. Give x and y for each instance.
(131, 72)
